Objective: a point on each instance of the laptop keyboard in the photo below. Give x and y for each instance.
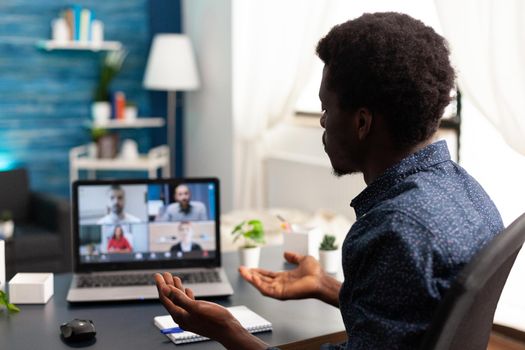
(121, 280)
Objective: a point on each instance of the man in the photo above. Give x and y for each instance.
(186, 244)
(386, 81)
(184, 209)
(115, 208)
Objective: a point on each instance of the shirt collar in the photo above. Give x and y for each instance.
(428, 156)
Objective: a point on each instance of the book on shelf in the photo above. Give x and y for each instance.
(82, 25)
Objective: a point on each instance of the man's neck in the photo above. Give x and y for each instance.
(185, 208)
(383, 158)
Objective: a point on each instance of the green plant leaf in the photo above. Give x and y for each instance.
(238, 227)
(253, 234)
(238, 231)
(328, 243)
(12, 308)
(256, 234)
(4, 301)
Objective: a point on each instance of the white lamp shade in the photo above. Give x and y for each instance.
(171, 64)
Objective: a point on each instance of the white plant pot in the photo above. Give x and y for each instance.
(250, 256)
(330, 260)
(7, 228)
(101, 112)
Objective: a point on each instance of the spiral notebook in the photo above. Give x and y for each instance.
(249, 319)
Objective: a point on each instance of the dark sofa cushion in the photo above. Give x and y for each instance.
(14, 193)
(34, 243)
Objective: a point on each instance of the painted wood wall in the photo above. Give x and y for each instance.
(45, 96)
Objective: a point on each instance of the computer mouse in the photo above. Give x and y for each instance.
(78, 330)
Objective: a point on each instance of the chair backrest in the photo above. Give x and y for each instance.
(463, 320)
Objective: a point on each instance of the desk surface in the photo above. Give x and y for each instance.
(130, 325)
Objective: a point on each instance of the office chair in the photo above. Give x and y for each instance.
(463, 321)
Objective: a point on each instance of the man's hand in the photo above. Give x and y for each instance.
(205, 318)
(307, 280)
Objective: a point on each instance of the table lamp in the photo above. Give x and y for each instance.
(171, 67)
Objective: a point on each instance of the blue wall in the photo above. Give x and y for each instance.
(45, 96)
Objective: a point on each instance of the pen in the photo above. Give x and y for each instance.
(172, 330)
(284, 224)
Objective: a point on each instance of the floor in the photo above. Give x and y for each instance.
(499, 341)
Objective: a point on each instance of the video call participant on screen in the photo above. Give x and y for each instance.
(116, 197)
(184, 209)
(186, 244)
(386, 82)
(118, 243)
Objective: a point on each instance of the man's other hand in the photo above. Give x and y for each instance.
(202, 317)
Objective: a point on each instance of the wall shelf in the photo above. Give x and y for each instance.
(142, 122)
(50, 45)
(157, 158)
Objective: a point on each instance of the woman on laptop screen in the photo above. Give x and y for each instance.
(118, 243)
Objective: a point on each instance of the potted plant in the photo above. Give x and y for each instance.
(106, 143)
(253, 233)
(111, 65)
(328, 254)
(7, 225)
(4, 303)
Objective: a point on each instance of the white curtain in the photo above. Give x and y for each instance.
(273, 51)
(487, 40)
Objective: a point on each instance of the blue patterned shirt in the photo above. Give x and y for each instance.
(417, 225)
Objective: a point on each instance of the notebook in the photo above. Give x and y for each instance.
(253, 323)
(124, 231)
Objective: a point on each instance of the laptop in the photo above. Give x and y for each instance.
(124, 231)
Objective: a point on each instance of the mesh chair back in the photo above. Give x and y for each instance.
(463, 321)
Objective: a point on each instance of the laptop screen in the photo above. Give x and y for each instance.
(130, 224)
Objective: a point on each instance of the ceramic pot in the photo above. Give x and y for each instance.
(330, 260)
(107, 146)
(101, 112)
(250, 256)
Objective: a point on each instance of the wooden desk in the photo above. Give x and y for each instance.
(130, 325)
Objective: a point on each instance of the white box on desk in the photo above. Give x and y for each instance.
(2, 266)
(303, 241)
(31, 288)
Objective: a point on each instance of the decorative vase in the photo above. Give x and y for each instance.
(330, 260)
(7, 228)
(130, 113)
(107, 146)
(250, 256)
(129, 150)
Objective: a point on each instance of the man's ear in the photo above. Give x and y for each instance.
(364, 122)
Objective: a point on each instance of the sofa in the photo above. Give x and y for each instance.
(42, 236)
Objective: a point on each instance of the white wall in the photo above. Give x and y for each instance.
(208, 111)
